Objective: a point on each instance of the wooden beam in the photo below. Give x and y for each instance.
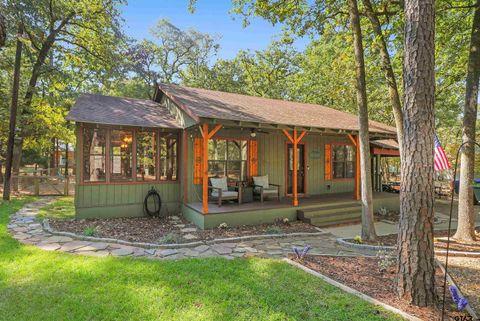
(214, 131)
(357, 168)
(205, 170)
(295, 173)
(301, 136)
(353, 140)
(285, 132)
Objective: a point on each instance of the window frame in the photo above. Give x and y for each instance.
(344, 162)
(226, 161)
(109, 128)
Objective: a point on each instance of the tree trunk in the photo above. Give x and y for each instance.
(3, 31)
(416, 266)
(388, 70)
(368, 227)
(13, 115)
(466, 214)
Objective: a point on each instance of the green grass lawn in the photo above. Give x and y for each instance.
(62, 208)
(40, 285)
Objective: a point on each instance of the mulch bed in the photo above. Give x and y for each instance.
(440, 242)
(168, 230)
(465, 271)
(363, 274)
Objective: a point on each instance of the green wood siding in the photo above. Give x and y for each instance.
(272, 160)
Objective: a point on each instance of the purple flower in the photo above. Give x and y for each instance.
(297, 252)
(305, 250)
(459, 301)
(299, 255)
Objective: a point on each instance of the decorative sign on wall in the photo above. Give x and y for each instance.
(315, 154)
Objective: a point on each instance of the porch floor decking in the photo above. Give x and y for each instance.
(285, 202)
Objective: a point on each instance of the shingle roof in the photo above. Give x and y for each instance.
(228, 106)
(109, 110)
(385, 143)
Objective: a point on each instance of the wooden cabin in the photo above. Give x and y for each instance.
(185, 137)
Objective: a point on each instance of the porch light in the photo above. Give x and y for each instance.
(253, 133)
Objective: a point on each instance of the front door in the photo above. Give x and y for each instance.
(300, 168)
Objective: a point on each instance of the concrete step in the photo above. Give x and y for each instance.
(336, 217)
(320, 212)
(344, 221)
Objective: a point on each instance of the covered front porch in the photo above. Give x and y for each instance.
(320, 210)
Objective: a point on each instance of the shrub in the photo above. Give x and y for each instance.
(169, 238)
(358, 239)
(274, 230)
(90, 231)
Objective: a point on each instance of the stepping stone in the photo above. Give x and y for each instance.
(222, 250)
(21, 236)
(122, 252)
(190, 237)
(237, 254)
(94, 253)
(167, 252)
(49, 246)
(99, 245)
(138, 252)
(201, 248)
(58, 239)
(190, 253)
(230, 245)
(150, 251)
(20, 229)
(208, 253)
(251, 249)
(34, 226)
(274, 252)
(74, 245)
(10, 226)
(239, 250)
(188, 230)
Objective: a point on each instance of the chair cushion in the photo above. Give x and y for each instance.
(219, 183)
(225, 194)
(261, 181)
(270, 190)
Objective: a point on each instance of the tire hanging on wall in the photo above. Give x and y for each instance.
(152, 198)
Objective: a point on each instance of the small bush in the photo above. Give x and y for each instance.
(358, 239)
(274, 230)
(169, 238)
(223, 226)
(90, 231)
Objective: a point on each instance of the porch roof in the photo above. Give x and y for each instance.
(108, 110)
(203, 103)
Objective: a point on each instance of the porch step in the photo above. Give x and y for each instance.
(331, 214)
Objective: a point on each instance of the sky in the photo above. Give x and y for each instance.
(211, 16)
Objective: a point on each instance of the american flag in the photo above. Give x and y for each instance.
(440, 159)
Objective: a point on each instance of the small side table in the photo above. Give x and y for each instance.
(247, 194)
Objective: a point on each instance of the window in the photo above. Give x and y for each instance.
(121, 155)
(146, 156)
(228, 158)
(343, 161)
(94, 151)
(168, 156)
(128, 155)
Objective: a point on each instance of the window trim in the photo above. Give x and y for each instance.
(134, 181)
(332, 161)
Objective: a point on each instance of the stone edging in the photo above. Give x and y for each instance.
(346, 242)
(46, 227)
(350, 290)
(450, 280)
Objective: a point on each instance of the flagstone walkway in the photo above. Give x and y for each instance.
(26, 229)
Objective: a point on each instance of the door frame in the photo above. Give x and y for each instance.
(304, 169)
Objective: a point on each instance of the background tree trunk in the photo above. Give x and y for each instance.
(13, 115)
(416, 267)
(387, 69)
(368, 227)
(3, 31)
(466, 214)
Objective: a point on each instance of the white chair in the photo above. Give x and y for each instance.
(220, 191)
(263, 188)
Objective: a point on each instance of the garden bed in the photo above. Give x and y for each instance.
(363, 274)
(169, 230)
(465, 271)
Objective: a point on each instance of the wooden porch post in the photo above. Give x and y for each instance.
(205, 169)
(294, 140)
(206, 136)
